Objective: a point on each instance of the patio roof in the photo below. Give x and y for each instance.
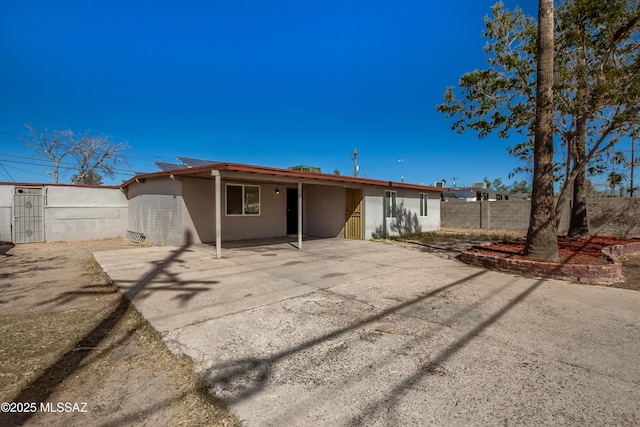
(277, 172)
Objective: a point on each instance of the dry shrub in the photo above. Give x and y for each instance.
(620, 216)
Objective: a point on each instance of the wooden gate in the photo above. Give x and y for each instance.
(353, 214)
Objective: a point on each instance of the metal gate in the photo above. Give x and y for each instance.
(28, 215)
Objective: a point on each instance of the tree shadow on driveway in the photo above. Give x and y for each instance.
(247, 377)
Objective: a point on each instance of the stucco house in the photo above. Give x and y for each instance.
(219, 202)
(230, 201)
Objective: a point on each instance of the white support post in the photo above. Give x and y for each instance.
(299, 215)
(218, 213)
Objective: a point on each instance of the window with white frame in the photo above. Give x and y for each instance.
(424, 204)
(243, 199)
(390, 204)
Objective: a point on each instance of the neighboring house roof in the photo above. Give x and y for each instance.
(277, 172)
(462, 193)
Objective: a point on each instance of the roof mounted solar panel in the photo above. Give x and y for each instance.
(164, 166)
(192, 163)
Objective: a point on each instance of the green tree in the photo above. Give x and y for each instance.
(599, 45)
(597, 89)
(614, 179)
(499, 186)
(520, 187)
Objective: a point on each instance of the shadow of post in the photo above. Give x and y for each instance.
(43, 386)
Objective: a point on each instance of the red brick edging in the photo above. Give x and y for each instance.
(581, 273)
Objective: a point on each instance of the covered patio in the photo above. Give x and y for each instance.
(229, 202)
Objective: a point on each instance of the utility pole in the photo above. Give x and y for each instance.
(354, 156)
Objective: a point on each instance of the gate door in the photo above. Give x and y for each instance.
(28, 215)
(353, 214)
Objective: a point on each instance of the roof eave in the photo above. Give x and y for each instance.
(238, 167)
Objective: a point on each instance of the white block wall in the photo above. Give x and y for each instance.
(6, 203)
(71, 212)
(84, 213)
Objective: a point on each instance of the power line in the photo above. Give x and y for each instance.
(66, 168)
(8, 137)
(71, 165)
(26, 170)
(7, 172)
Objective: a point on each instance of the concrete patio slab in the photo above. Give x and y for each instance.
(348, 333)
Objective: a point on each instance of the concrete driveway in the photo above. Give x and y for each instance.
(346, 333)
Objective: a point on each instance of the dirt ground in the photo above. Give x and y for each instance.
(630, 272)
(74, 352)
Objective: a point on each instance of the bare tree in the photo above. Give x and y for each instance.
(91, 178)
(542, 236)
(53, 144)
(96, 153)
(89, 155)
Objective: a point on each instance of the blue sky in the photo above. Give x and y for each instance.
(273, 83)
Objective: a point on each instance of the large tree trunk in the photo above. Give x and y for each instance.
(542, 236)
(578, 225)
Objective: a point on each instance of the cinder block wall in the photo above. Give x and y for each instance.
(514, 215)
(71, 212)
(461, 214)
(155, 210)
(83, 213)
(510, 215)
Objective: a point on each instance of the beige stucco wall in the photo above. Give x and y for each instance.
(272, 221)
(325, 210)
(198, 213)
(164, 210)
